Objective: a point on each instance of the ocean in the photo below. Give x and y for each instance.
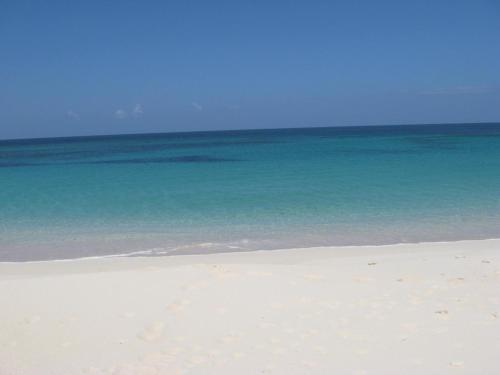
(184, 193)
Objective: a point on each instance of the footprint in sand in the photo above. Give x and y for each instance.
(259, 273)
(221, 362)
(410, 327)
(222, 272)
(309, 364)
(153, 332)
(221, 311)
(313, 332)
(269, 368)
(172, 352)
(329, 305)
(361, 352)
(439, 331)
(344, 321)
(416, 361)
(416, 301)
(305, 300)
(32, 319)
(230, 338)
(178, 307)
(456, 280)
(198, 360)
(321, 350)
(128, 315)
(442, 314)
(214, 353)
(345, 334)
(238, 355)
(313, 277)
(277, 306)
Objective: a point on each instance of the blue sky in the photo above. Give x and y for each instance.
(105, 67)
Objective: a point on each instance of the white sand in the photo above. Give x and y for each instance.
(404, 309)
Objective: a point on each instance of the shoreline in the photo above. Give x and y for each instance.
(147, 254)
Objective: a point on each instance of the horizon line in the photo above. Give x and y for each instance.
(244, 130)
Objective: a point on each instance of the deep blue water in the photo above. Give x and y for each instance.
(242, 190)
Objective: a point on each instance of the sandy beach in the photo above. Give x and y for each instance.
(431, 308)
(250, 188)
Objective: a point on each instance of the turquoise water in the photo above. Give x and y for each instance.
(243, 190)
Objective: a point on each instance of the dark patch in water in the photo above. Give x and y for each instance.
(15, 165)
(434, 143)
(380, 151)
(431, 130)
(177, 159)
(116, 149)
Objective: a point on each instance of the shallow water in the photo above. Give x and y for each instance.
(243, 190)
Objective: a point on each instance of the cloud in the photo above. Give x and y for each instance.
(120, 114)
(458, 90)
(73, 115)
(138, 111)
(197, 106)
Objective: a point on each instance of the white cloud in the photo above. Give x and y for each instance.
(197, 106)
(73, 115)
(138, 111)
(120, 114)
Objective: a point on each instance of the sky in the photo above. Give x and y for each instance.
(112, 67)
